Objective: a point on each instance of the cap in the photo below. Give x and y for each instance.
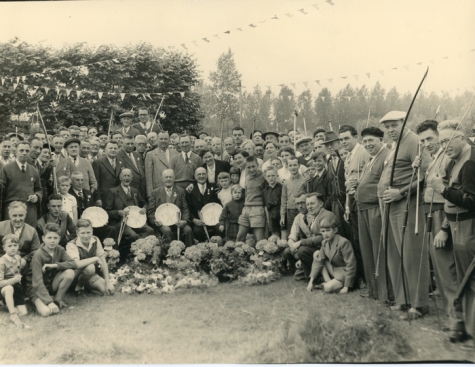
(303, 139)
(70, 141)
(393, 116)
(127, 114)
(330, 136)
(270, 133)
(373, 131)
(47, 146)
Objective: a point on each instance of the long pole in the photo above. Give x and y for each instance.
(240, 104)
(295, 130)
(110, 124)
(416, 230)
(156, 114)
(305, 126)
(222, 132)
(369, 114)
(55, 183)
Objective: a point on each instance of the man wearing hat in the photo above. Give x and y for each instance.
(369, 216)
(144, 126)
(415, 263)
(319, 134)
(271, 136)
(103, 139)
(81, 164)
(305, 147)
(126, 120)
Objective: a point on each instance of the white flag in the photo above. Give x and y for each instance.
(122, 96)
(100, 94)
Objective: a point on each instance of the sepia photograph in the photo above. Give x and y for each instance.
(237, 182)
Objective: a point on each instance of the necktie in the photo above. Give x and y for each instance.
(305, 220)
(129, 196)
(23, 168)
(80, 195)
(131, 156)
(186, 157)
(113, 164)
(169, 192)
(202, 189)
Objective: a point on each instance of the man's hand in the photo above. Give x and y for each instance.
(46, 266)
(198, 222)
(189, 188)
(109, 288)
(282, 220)
(32, 198)
(221, 228)
(52, 306)
(344, 290)
(22, 263)
(143, 211)
(16, 279)
(294, 246)
(391, 195)
(310, 285)
(440, 239)
(93, 190)
(99, 203)
(52, 163)
(435, 181)
(181, 223)
(416, 163)
(346, 216)
(121, 213)
(298, 264)
(158, 223)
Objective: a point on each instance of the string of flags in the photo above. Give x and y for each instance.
(208, 39)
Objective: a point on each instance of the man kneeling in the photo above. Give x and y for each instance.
(335, 260)
(86, 250)
(53, 272)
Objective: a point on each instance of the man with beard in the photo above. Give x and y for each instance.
(369, 216)
(134, 162)
(169, 193)
(415, 264)
(20, 181)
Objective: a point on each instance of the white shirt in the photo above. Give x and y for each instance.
(202, 188)
(185, 155)
(112, 161)
(21, 164)
(211, 173)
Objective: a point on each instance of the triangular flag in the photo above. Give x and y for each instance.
(406, 67)
(318, 82)
(343, 77)
(323, 98)
(348, 98)
(194, 42)
(315, 6)
(305, 83)
(116, 61)
(15, 85)
(293, 85)
(17, 79)
(78, 93)
(122, 96)
(330, 80)
(330, 2)
(216, 36)
(382, 72)
(135, 94)
(227, 32)
(302, 11)
(289, 97)
(183, 45)
(274, 17)
(239, 29)
(23, 78)
(205, 39)
(419, 63)
(3, 81)
(262, 21)
(368, 75)
(46, 89)
(356, 77)
(68, 91)
(99, 94)
(446, 57)
(252, 25)
(394, 68)
(182, 94)
(25, 86)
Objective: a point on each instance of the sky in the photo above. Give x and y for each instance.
(321, 42)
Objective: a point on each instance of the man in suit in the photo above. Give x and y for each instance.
(85, 199)
(213, 166)
(144, 126)
(134, 162)
(126, 120)
(72, 147)
(107, 171)
(118, 202)
(5, 152)
(157, 161)
(202, 193)
(141, 145)
(21, 182)
(169, 193)
(185, 164)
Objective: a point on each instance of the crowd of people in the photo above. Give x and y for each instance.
(354, 214)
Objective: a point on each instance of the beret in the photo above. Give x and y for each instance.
(70, 141)
(393, 116)
(127, 114)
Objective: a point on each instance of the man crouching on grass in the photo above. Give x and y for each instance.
(86, 250)
(335, 260)
(53, 273)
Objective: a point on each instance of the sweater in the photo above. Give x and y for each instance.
(254, 195)
(290, 188)
(231, 212)
(18, 185)
(8, 269)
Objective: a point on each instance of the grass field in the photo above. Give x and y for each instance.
(275, 323)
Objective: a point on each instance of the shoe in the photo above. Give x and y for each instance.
(80, 293)
(413, 314)
(16, 320)
(61, 304)
(397, 307)
(365, 293)
(456, 336)
(318, 286)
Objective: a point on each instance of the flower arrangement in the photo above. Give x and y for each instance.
(147, 249)
(112, 256)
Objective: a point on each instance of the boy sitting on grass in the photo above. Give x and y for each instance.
(86, 250)
(10, 280)
(335, 260)
(53, 273)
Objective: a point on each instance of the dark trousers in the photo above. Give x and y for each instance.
(129, 236)
(106, 231)
(200, 234)
(170, 233)
(291, 214)
(360, 274)
(305, 255)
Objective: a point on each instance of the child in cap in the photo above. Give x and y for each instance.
(10, 280)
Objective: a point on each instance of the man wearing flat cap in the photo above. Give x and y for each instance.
(81, 164)
(305, 147)
(369, 215)
(126, 120)
(416, 265)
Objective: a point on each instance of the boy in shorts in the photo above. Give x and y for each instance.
(10, 280)
(253, 214)
(53, 273)
(86, 250)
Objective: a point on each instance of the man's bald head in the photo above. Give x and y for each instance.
(201, 175)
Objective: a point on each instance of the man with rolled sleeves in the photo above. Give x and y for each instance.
(459, 207)
(354, 163)
(415, 261)
(442, 256)
(369, 215)
(126, 120)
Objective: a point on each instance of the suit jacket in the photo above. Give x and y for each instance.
(138, 172)
(106, 176)
(64, 166)
(87, 201)
(220, 166)
(159, 196)
(341, 258)
(84, 166)
(29, 240)
(196, 201)
(155, 163)
(116, 200)
(337, 179)
(141, 130)
(18, 185)
(322, 185)
(315, 240)
(132, 131)
(185, 172)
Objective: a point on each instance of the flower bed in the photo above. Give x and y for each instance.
(159, 268)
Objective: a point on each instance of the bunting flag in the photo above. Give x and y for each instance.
(293, 85)
(46, 89)
(323, 98)
(99, 94)
(15, 85)
(382, 72)
(122, 96)
(78, 93)
(68, 91)
(217, 36)
(205, 39)
(356, 77)
(330, 80)
(252, 25)
(406, 67)
(318, 82)
(239, 29)
(227, 32)
(368, 75)
(305, 83)
(3, 81)
(25, 87)
(183, 45)
(274, 17)
(182, 94)
(303, 11)
(289, 15)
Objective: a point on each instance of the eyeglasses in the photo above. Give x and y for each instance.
(446, 141)
(75, 135)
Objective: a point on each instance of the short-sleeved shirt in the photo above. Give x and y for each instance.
(77, 251)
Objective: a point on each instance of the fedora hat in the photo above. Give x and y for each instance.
(330, 136)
